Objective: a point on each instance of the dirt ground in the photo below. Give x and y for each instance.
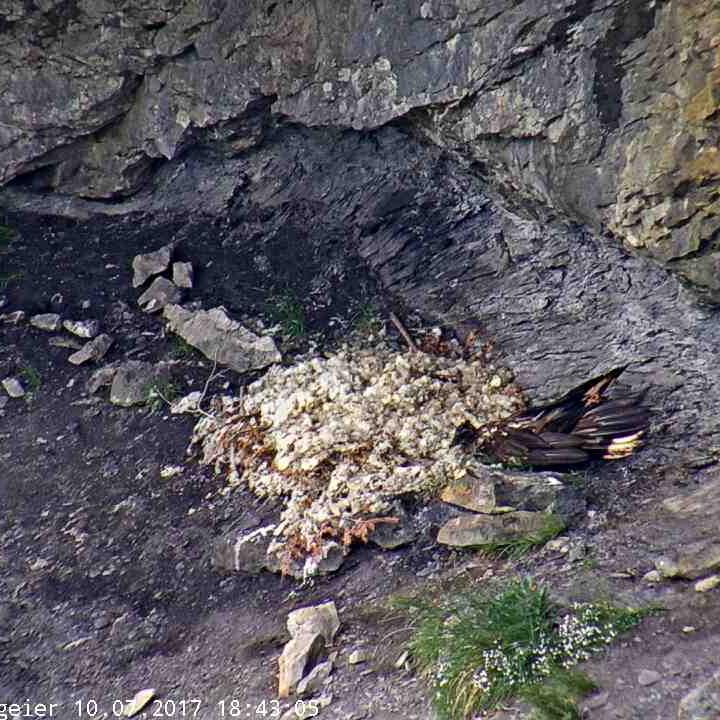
(106, 585)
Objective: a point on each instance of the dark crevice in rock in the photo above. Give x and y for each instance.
(558, 34)
(632, 20)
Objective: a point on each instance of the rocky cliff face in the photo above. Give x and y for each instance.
(607, 111)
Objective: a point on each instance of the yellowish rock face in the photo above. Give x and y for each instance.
(338, 438)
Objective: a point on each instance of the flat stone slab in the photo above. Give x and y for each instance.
(478, 530)
(93, 350)
(46, 321)
(488, 490)
(222, 339)
(82, 328)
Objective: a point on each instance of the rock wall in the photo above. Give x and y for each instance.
(606, 111)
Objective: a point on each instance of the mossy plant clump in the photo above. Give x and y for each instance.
(7, 234)
(288, 312)
(339, 438)
(479, 649)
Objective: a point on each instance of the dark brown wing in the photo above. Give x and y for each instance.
(524, 447)
(561, 415)
(581, 425)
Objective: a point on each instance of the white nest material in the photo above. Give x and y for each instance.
(338, 438)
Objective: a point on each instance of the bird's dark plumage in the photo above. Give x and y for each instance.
(583, 424)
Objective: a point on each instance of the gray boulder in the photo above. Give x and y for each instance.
(222, 339)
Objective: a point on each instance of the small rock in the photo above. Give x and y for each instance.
(315, 679)
(13, 387)
(332, 556)
(140, 700)
(82, 328)
(86, 305)
(94, 350)
(243, 552)
(101, 378)
(486, 489)
(133, 382)
(65, 342)
(692, 560)
(708, 583)
(187, 404)
(687, 629)
(559, 544)
(653, 576)
(538, 492)
(149, 264)
(316, 618)
(222, 339)
(170, 471)
(182, 274)
(46, 321)
(702, 703)
(299, 655)
(13, 318)
(472, 493)
(162, 292)
(649, 677)
(667, 567)
(358, 656)
(479, 530)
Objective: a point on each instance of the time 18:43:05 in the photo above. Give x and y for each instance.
(267, 709)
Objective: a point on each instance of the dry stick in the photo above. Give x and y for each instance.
(405, 335)
(212, 376)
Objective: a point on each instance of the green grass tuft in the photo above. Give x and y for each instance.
(557, 697)
(517, 547)
(367, 320)
(32, 378)
(7, 234)
(161, 394)
(480, 649)
(287, 310)
(181, 349)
